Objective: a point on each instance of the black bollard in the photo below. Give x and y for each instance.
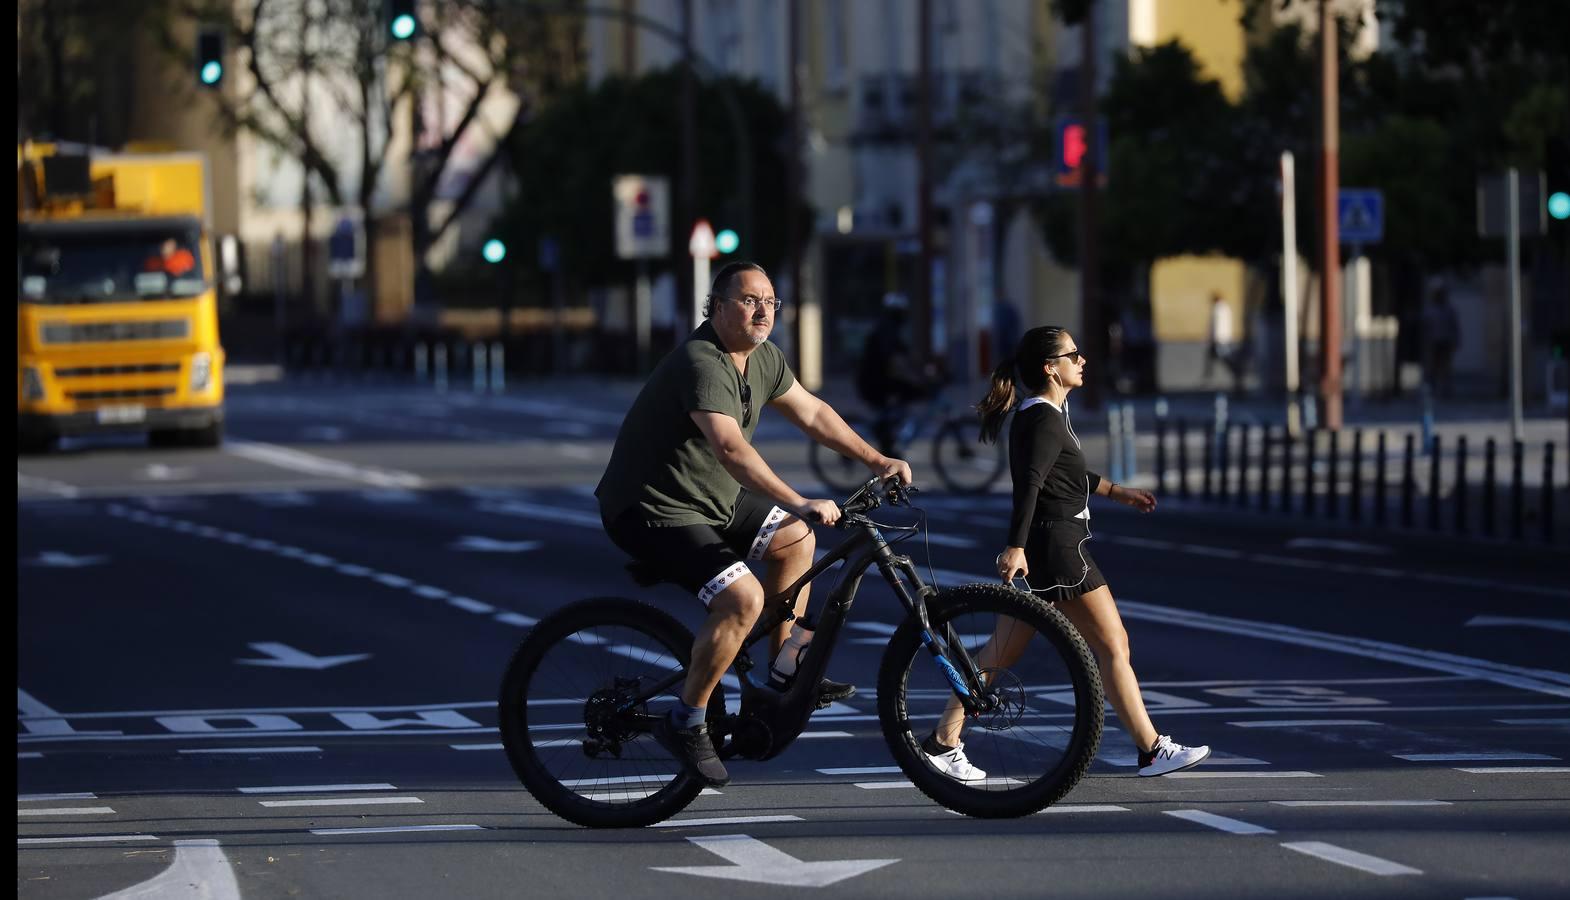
(1489, 449)
(1265, 441)
(1458, 492)
(1223, 460)
(1308, 471)
(1517, 490)
(1356, 502)
(1332, 478)
(1242, 465)
(1548, 491)
(1210, 455)
(1286, 470)
(1182, 453)
(1408, 481)
(1379, 479)
(1434, 459)
(1161, 455)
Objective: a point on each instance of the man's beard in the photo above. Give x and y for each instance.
(757, 340)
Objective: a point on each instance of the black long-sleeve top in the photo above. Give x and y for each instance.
(1048, 466)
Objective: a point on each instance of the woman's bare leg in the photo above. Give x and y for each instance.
(1003, 649)
(1096, 616)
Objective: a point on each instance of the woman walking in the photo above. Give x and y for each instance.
(1048, 530)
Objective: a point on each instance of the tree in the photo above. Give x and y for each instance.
(565, 159)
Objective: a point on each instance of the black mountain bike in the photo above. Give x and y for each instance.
(585, 686)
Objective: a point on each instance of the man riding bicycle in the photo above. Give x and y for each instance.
(686, 493)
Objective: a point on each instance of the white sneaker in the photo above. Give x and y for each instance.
(1167, 757)
(954, 764)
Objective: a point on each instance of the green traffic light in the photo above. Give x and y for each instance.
(494, 251)
(403, 27)
(1559, 205)
(212, 71)
(727, 241)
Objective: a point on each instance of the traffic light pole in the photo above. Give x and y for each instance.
(1513, 187)
(1329, 224)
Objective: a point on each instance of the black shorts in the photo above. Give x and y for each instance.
(704, 559)
(1059, 560)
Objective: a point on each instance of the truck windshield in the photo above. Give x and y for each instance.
(112, 265)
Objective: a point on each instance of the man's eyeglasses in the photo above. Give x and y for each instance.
(1073, 356)
(752, 303)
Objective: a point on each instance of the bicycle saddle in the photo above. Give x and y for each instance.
(645, 573)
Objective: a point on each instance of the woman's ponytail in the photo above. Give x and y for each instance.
(998, 403)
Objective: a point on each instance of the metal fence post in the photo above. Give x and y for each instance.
(1408, 481)
(1356, 501)
(1517, 489)
(1115, 443)
(1548, 491)
(1287, 441)
(498, 367)
(440, 366)
(1182, 458)
(477, 363)
(1379, 479)
(1332, 477)
(1434, 460)
(1458, 492)
(1161, 447)
(1130, 459)
(419, 361)
(1309, 448)
(1490, 447)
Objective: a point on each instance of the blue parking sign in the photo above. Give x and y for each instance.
(1361, 214)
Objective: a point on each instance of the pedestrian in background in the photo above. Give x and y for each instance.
(1441, 336)
(1045, 546)
(1219, 345)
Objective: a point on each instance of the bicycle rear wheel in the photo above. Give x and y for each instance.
(573, 727)
(840, 473)
(965, 464)
(1042, 739)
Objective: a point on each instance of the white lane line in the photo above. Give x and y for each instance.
(58, 488)
(824, 734)
(396, 829)
(1373, 865)
(1516, 770)
(24, 798)
(1300, 723)
(1084, 808)
(1241, 775)
(882, 785)
(1468, 757)
(1533, 721)
(861, 770)
(1319, 803)
(724, 820)
(250, 750)
(1221, 823)
(468, 605)
(1509, 621)
(518, 619)
(500, 747)
(314, 788)
(341, 801)
(86, 839)
(66, 811)
(30, 755)
(310, 463)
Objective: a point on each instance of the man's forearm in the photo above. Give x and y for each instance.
(829, 429)
(748, 467)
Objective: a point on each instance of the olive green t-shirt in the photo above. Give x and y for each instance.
(662, 463)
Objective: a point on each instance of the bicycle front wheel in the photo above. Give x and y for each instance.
(1040, 740)
(964, 464)
(839, 473)
(576, 701)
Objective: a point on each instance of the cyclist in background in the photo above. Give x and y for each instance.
(686, 493)
(889, 375)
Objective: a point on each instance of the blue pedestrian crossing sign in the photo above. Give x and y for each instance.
(1361, 213)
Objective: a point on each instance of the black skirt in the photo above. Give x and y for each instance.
(1058, 554)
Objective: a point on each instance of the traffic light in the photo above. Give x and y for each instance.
(494, 251)
(727, 241)
(401, 19)
(210, 56)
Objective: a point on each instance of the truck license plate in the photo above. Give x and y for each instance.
(121, 415)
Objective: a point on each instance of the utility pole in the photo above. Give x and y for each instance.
(921, 318)
(1329, 224)
(1093, 335)
(688, 208)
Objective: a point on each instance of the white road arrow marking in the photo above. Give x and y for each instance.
(1329, 544)
(200, 872)
(59, 560)
(1546, 624)
(161, 472)
(480, 544)
(753, 860)
(286, 657)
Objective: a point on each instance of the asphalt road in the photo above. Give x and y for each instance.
(269, 670)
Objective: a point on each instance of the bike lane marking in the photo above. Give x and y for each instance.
(1220, 823)
(1352, 859)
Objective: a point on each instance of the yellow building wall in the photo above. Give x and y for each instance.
(1180, 289)
(1210, 29)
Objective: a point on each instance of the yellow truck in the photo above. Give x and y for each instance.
(117, 311)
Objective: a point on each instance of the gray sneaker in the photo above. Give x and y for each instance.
(694, 749)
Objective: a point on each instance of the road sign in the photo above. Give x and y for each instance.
(702, 242)
(642, 216)
(346, 250)
(1361, 213)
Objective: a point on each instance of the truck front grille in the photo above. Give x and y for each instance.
(102, 332)
(123, 394)
(142, 369)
